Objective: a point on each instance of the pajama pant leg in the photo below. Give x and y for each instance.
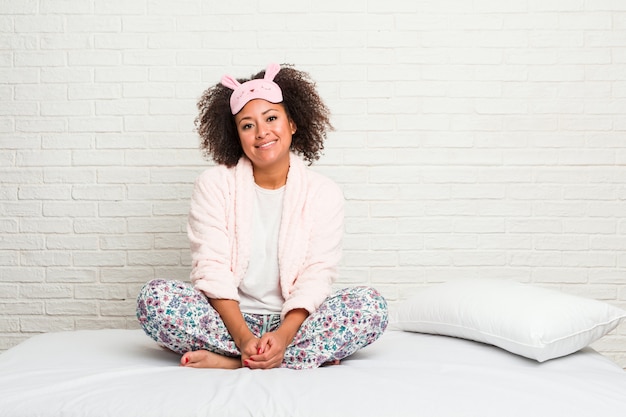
(181, 319)
(347, 321)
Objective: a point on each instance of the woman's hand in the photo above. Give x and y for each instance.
(248, 348)
(270, 352)
(230, 313)
(272, 345)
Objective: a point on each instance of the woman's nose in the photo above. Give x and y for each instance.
(261, 131)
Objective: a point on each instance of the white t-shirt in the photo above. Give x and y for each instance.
(259, 292)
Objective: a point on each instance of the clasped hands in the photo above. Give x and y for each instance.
(265, 352)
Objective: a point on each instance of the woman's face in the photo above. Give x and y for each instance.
(265, 133)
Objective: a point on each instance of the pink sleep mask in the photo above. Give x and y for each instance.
(264, 88)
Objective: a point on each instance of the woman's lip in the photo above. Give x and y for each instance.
(266, 144)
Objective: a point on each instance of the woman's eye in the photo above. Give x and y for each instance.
(271, 118)
(246, 126)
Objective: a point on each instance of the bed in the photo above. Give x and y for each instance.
(405, 373)
(123, 373)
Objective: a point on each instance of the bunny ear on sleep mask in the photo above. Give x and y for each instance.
(230, 82)
(264, 88)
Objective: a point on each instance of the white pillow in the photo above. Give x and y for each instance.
(530, 321)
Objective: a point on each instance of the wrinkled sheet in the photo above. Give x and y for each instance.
(121, 373)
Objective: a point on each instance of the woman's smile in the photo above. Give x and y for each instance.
(266, 145)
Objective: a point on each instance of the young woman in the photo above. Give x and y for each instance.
(265, 235)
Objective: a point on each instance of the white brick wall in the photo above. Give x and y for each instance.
(474, 138)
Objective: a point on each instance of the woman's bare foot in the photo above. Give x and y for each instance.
(206, 359)
(332, 363)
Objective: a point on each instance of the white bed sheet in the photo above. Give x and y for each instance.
(123, 373)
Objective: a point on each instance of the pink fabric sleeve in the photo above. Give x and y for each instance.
(313, 283)
(208, 232)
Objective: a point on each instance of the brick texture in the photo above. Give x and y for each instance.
(473, 138)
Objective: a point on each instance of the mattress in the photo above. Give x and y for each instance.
(124, 373)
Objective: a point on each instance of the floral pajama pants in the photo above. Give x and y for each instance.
(180, 318)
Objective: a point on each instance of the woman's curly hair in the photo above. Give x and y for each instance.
(215, 124)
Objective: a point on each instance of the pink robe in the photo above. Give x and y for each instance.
(309, 243)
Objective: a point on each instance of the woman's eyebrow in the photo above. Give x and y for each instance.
(263, 113)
